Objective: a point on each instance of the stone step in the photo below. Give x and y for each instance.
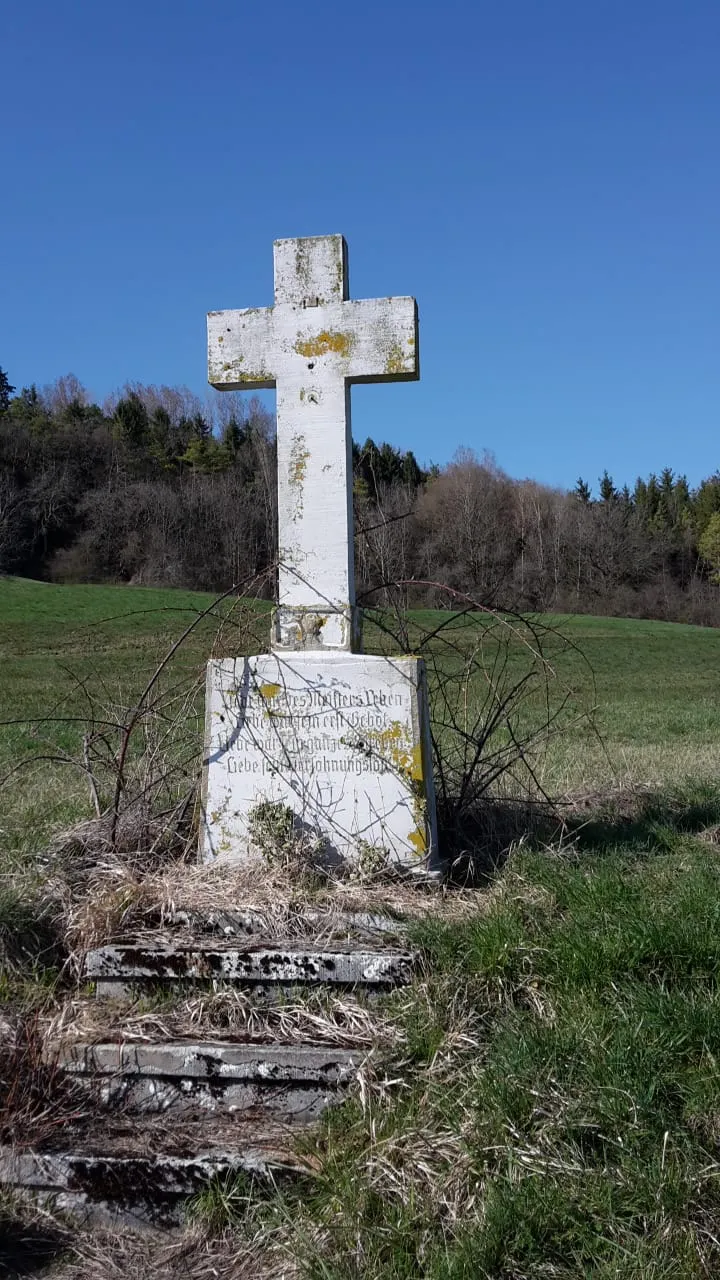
(287, 1081)
(237, 921)
(138, 962)
(143, 1173)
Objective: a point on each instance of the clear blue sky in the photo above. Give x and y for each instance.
(543, 175)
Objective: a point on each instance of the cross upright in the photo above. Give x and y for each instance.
(312, 345)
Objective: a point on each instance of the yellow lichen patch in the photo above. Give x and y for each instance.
(298, 461)
(418, 839)
(268, 691)
(393, 744)
(326, 341)
(416, 765)
(406, 760)
(395, 360)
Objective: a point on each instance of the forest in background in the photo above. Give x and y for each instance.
(157, 487)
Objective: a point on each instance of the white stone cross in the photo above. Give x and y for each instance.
(312, 345)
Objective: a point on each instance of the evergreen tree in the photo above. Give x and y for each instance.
(161, 442)
(608, 491)
(132, 419)
(706, 502)
(6, 391)
(199, 428)
(411, 473)
(639, 496)
(652, 499)
(583, 492)
(233, 437)
(204, 454)
(709, 545)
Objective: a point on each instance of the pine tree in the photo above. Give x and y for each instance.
(132, 419)
(706, 502)
(583, 492)
(6, 391)
(608, 491)
(709, 545)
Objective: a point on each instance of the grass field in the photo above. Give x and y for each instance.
(70, 652)
(555, 1106)
(549, 1107)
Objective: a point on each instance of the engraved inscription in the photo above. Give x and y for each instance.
(313, 731)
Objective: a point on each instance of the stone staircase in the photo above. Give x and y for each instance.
(166, 1116)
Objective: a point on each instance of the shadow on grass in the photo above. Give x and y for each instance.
(28, 933)
(645, 821)
(476, 844)
(28, 1247)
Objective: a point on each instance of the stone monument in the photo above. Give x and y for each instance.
(339, 737)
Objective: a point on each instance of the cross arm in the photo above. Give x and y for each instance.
(240, 344)
(384, 346)
(367, 340)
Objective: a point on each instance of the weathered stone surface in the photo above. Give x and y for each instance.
(312, 345)
(289, 1081)
(168, 1175)
(346, 747)
(132, 962)
(143, 1185)
(340, 739)
(211, 1059)
(322, 923)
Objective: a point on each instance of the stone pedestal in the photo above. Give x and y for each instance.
(341, 739)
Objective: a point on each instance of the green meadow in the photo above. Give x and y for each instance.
(644, 697)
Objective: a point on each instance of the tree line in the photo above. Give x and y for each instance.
(156, 487)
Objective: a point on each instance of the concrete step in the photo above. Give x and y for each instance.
(285, 1081)
(321, 924)
(140, 1172)
(150, 960)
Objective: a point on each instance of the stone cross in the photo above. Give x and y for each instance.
(338, 739)
(312, 345)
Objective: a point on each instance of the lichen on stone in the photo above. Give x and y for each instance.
(328, 340)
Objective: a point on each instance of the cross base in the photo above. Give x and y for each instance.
(341, 740)
(296, 627)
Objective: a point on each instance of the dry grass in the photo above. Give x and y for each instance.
(100, 893)
(318, 1017)
(37, 1099)
(613, 764)
(32, 1236)
(190, 1255)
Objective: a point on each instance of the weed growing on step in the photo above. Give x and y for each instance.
(271, 826)
(371, 860)
(227, 1202)
(284, 846)
(309, 1015)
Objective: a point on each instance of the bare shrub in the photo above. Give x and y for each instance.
(498, 697)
